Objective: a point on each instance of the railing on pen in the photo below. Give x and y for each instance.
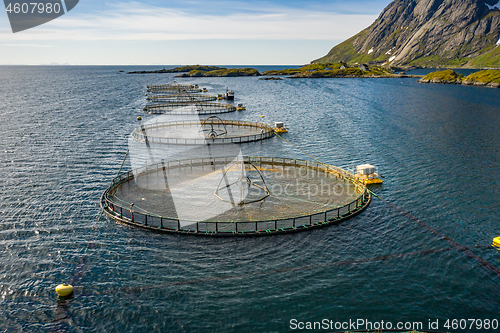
(139, 133)
(181, 98)
(132, 215)
(198, 107)
(166, 90)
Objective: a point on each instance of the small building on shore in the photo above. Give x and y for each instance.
(364, 67)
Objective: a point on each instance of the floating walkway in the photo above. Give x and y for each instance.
(185, 196)
(182, 97)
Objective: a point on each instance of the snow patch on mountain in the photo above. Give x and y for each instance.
(497, 5)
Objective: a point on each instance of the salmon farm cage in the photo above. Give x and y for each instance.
(199, 108)
(173, 87)
(234, 196)
(212, 130)
(181, 97)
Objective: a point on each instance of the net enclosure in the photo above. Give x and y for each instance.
(173, 88)
(181, 97)
(201, 108)
(212, 130)
(234, 196)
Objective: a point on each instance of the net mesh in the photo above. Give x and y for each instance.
(212, 130)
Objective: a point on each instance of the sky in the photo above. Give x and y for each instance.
(154, 32)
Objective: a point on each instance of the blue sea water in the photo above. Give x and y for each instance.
(64, 134)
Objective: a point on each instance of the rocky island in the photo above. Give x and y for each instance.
(179, 69)
(221, 72)
(486, 78)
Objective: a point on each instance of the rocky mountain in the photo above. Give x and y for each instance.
(428, 33)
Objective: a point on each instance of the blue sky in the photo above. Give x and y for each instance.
(154, 32)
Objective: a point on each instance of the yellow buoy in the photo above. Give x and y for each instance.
(145, 94)
(262, 116)
(64, 289)
(139, 118)
(496, 242)
(279, 127)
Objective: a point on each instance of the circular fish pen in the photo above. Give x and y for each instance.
(212, 130)
(199, 108)
(234, 196)
(173, 87)
(186, 98)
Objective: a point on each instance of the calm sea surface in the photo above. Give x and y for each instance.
(64, 133)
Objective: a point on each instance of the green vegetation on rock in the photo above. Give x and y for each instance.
(438, 61)
(222, 72)
(179, 69)
(446, 76)
(331, 70)
(489, 78)
(195, 67)
(310, 67)
(490, 59)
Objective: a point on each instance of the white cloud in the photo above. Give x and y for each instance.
(135, 21)
(25, 45)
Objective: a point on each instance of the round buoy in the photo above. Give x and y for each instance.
(64, 289)
(145, 94)
(139, 118)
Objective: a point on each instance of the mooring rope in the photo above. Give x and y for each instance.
(438, 234)
(302, 151)
(83, 259)
(276, 271)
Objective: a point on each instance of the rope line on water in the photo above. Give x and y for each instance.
(303, 152)
(447, 239)
(83, 259)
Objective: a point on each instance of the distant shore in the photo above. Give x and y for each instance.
(486, 78)
(394, 76)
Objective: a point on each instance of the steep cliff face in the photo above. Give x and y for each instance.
(428, 33)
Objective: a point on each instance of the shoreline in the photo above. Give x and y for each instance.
(464, 83)
(487, 78)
